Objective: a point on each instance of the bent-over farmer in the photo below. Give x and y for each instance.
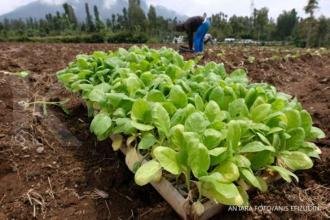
(190, 26)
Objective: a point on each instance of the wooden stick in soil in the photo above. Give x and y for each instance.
(172, 195)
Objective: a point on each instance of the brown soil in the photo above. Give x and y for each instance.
(51, 167)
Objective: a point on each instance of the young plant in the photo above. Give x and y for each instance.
(215, 129)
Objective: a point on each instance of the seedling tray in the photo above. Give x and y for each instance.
(166, 189)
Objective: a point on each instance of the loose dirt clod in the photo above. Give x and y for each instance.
(40, 150)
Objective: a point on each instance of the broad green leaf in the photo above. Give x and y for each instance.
(123, 125)
(217, 95)
(105, 87)
(261, 112)
(274, 116)
(263, 139)
(174, 71)
(256, 146)
(250, 97)
(66, 78)
(242, 161)
(213, 177)
(229, 96)
(285, 174)
(199, 160)
(178, 96)
(82, 62)
(160, 118)
(190, 141)
(279, 104)
(275, 130)
(165, 85)
(147, 78)
(216, 160)
(86, 87)
(114, 62)
(212, 110)
(306, 121)
(294, 119)
(217, 151)
(196, 122)
(211, 192)
(233, 135)
(238, 76)
(132, 84)
(277, 142)
(178, 117)
(296, 140)
(218, 124)
(147, 141)
(217, 68)
(101, 125)
(316, 133)
(240, 90)
(186, 88)
(224, 193)
(279, 121)
(199, 103)
(228, 170)
(286, 135)
(261, 159)
(228, 190)
(119, 113)
(258, 126)
(141, 127)
(150, 171)
(249, 176)
(167, 158)
(117, 99)
(176, 136)
(181, 115)
(155, 96)
(295, 160)
(170, 107)
(260, 100)
(311, 150)
(238, 108)
(245, 125)
(141, 111)
(212, 138)
(97, 95)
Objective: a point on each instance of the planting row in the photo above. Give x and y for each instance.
(214, 130)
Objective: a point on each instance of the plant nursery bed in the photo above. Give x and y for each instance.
(82, 178)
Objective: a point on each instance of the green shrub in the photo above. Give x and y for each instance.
(127, 37)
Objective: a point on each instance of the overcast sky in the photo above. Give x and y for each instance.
(194, 7)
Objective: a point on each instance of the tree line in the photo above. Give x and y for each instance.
(304, 32)
(134, 26)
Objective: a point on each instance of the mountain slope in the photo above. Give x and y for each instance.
(38, 9)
